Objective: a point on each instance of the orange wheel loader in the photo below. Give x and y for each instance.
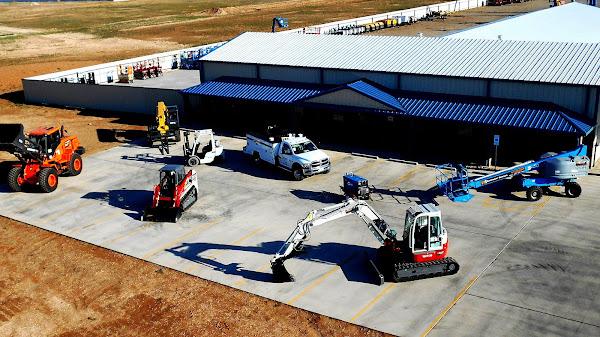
(44, 154)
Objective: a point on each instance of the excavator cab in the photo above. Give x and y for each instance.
(423, 231)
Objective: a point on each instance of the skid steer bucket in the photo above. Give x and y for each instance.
(162, 214)
(12, 138)
(280, 274)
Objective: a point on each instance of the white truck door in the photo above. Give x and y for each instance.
(285, 158)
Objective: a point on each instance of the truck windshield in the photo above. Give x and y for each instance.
(303, 147)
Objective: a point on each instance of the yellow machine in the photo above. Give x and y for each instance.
(166, 127)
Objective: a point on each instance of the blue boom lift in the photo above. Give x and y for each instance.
(553, 170)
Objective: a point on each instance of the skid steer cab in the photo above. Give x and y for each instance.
(176, 192)
(44, 154)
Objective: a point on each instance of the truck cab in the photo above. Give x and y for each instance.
(294, 153)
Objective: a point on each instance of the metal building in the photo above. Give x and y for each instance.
(561, 73)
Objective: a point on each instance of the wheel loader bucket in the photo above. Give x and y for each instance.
(12, 138)
(161, 214)
(280, 274)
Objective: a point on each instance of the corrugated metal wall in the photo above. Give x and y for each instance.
(101, 97)
(295, 74)
(444, 85)
(218, 69)
(339, 77)
(570, 97)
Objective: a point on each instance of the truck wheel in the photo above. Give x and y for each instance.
(193, 161)
(48, 178)
(297, 172)
(75, 164)
(573, 190)
(256, 159)
(15, 179)
(534, 193)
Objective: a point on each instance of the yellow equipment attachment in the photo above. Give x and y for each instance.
(161, 118)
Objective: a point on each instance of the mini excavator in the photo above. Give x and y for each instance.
(420, 254)
(44, 154)
(176, 192)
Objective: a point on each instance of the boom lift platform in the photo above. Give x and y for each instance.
(195, 154)
(166, 127)
(176, 192)
(420, 254)
(561, 169)
(44, 154)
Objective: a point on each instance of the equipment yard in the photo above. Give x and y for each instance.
(80, 261)
(517, 257)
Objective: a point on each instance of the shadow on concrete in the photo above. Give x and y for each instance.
(321, 196)
(237, 161)
(155, 158)
(424, 197)
(334, 254)
(119, 135)
(134, 201)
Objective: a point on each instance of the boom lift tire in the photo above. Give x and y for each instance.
(48, 178)
(573, 190)
(75, 164)
(14, 175)
(256, 159)
(297, 172)
(534, 193)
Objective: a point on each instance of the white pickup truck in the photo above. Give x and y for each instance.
(296, 154)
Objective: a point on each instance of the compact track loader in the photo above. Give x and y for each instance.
(176, 192)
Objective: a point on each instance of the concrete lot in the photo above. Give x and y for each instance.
(526, 268)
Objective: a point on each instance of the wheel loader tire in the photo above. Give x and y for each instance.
(297, 172)
(75, 164)
(193, 161)
(48, 178)
(534, 193)
(573, 190)
(15, 176)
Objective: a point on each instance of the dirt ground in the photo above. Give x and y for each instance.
(51, 285)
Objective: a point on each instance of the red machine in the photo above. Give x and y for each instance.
(44, 154)
(176, 192)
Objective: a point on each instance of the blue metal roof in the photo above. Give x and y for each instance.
(527, 115)
(520, 114)
(266, 91)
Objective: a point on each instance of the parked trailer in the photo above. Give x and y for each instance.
(553, 170)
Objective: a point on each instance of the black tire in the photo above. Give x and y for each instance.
(48, 178)
(534, 193)
(14, 175)
(177, 136)
(573, 190)
(193, 161)
(75, 164)
(256, 159)
(297, 173)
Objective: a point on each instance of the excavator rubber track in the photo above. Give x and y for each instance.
(410, 271)
(189, 199)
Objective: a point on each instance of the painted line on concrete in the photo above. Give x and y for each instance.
(484, 269)
(258, 271)
(404, 177)
(45, 200)
(370, 166)
(324, 277)
(371, 303)
(97, 221)
(222, 250)
(64, 213)
(339, 157)
(449, 306)
(181, 238)
(122, 236)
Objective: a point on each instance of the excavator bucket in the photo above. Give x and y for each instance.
(162, 214)
(280, 274)
(12, 138)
